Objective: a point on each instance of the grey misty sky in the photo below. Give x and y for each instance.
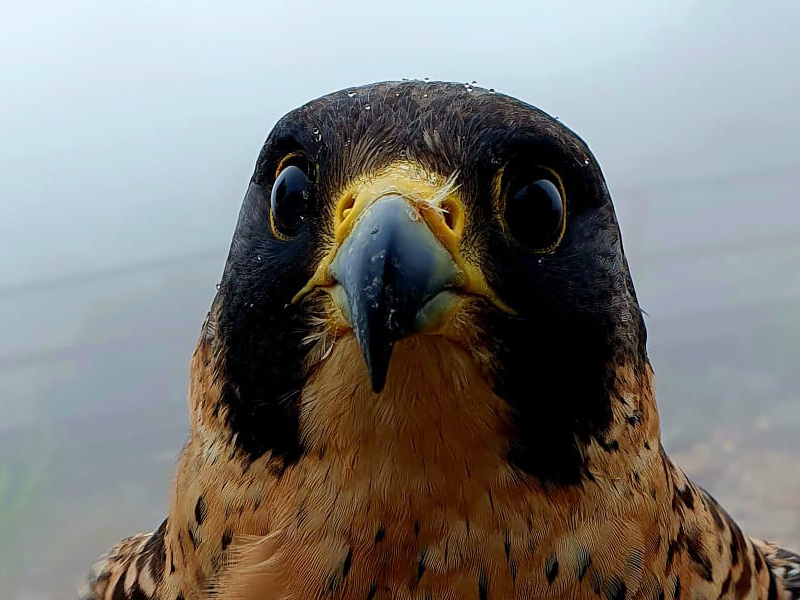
(130, 128)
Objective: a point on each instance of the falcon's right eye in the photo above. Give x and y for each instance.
(534, 209)
(290, 201)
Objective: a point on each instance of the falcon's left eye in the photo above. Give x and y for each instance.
(290, 200)
(534, 210)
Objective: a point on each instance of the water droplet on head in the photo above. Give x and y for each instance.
(252, 305)
(376, 229)
(474, 82)
(315, 131)
(586, 161)
(424, 95)
(217, 286)
(539, 261)
(258, 257)
(367, 107)
(351, 94)
(426, 79)
(402, 153)
(397, 94)
(347, 142)
(491, 90)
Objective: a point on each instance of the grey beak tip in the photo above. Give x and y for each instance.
(377, 358)
(389, 266)
(378, 384)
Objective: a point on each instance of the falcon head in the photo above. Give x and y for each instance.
(411, 218)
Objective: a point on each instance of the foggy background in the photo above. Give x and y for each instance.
(128, 134)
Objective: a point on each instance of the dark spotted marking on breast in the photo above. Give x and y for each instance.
(379, 534)
(421, 563)
(660, 594)
(714, 509)
(773, 588)
(200, 510)
(676, 589)
(742, 586)
(582, 562)
(612, 446)
(155, 550)
(726, 585)
(635, 418)
(335, 579)
(416, 529)
(483, 585)
(737, 544)
(179, 596)
(615, 588)
(507, 545)
(551, 569)
(348, 560)
(686, 496)
(512, 565)
(193, 536)
(702, 563)
(596, 581)
(227, 536)
(673, 546)
(119, 589)
(373, 588)
(136, 593)
(759, 561)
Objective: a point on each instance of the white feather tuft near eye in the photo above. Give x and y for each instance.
(450, 187)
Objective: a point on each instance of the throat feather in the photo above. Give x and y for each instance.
(437, 418)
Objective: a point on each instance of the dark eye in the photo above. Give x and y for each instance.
(534, 211)
(291, 199)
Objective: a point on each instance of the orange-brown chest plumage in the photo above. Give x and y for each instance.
(408, 495)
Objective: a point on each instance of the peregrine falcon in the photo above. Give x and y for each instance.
(424, 375)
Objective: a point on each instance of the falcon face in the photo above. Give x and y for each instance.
(424, 376)
(409, 217)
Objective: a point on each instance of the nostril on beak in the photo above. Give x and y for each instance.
(452, 216)
(346, 207)
(449, 219)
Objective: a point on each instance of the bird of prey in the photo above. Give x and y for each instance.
(424, 375)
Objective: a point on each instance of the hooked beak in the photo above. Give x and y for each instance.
(394, 275)
(396, 269)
